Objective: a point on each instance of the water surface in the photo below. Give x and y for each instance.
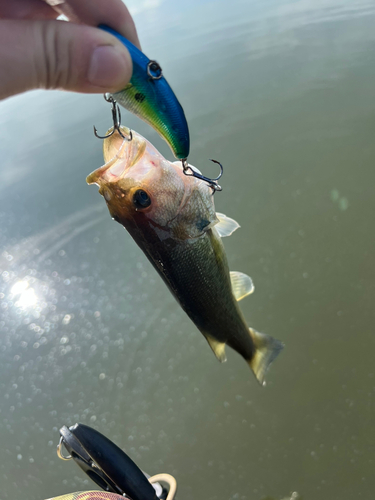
(283, 94)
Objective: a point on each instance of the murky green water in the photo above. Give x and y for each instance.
(283, 94)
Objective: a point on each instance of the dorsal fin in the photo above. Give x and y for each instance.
(217, 347)
(242, 284)
(226, 226)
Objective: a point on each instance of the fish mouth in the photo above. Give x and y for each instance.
(119, 155)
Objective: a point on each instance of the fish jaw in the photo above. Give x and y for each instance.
(119, 155)
(128, 164)
(181, 206)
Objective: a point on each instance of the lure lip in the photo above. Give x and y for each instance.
(105, 463)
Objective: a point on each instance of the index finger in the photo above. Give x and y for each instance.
(113, 13)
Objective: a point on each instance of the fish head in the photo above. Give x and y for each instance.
(147, 193)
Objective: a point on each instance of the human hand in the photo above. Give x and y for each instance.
(37, 51)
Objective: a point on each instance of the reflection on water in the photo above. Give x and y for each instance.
(282, 94)
(25, 298)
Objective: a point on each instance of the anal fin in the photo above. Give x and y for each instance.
(217, 347)
(242, 285)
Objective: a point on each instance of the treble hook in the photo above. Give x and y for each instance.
(116, 118)
(59, 452)
(188, 170)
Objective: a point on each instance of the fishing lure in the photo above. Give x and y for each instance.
(149, 96)
(104, 462)
(110, 468)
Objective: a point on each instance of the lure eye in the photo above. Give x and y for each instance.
(154, 70)
(141, 199)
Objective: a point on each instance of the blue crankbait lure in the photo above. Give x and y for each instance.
(149, 96)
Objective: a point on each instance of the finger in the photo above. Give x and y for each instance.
(26, 9)
(110, 12)
(56, 54)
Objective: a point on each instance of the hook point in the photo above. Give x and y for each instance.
(211, 182)
(116, 119)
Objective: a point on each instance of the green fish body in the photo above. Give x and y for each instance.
(172, 218)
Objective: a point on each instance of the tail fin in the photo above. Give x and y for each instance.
(266, 350)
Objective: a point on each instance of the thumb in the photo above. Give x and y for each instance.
(57, 54)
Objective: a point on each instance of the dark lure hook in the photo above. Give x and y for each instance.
(116, 119)
(188, 170)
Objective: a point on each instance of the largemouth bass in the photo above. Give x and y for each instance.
(171, 216)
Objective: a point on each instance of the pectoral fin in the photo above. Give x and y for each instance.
(242, 285)
(226, 226)
(217, 347)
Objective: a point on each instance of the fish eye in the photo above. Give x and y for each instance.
(141, 199)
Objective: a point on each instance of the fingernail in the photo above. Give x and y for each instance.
(110, 67)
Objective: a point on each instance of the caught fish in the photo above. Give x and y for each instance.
(171, 216)
(149, 96)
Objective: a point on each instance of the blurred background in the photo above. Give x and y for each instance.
(281, 92)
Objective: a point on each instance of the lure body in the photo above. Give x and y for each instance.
(149, 96)
(114, 470)
(172, 218)
(110, 468)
